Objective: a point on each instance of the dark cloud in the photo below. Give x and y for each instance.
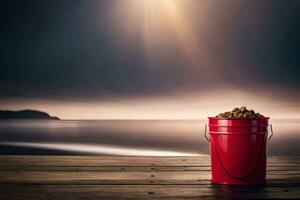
(69, 49)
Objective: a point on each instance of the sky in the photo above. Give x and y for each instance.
(149, 59)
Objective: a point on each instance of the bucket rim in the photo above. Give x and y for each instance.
(239, 126)
(237, 133)
(256, 118)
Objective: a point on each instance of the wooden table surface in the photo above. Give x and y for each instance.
(114, 177)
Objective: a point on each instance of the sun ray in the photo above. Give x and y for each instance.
(155, 19)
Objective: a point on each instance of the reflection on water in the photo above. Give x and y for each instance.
(126, 137)
(96, 149)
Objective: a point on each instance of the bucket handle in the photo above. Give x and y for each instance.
(205, 131)
(271, 128)
(228, 172)
(223, 166)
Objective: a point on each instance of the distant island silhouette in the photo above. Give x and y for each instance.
(26, 114)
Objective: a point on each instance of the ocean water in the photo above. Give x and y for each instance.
(126, 137)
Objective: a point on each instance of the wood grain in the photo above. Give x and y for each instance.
(146, 192)
(112, 177)
(124, 160)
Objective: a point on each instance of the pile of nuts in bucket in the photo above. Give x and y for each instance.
(241, 112)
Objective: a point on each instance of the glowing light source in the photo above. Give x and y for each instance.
(160, 23)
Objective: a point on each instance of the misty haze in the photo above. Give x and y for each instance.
(150, 72)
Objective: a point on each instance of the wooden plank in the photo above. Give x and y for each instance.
(111, 177)
(125, 160)
(102, 160)
(74, 192)
(105, 168)
(70, 177)
(128, 168)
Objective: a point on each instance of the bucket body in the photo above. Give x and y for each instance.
(238, 150)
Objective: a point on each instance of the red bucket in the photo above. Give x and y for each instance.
(238, 150)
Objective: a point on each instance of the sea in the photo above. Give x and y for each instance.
(126, 137)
